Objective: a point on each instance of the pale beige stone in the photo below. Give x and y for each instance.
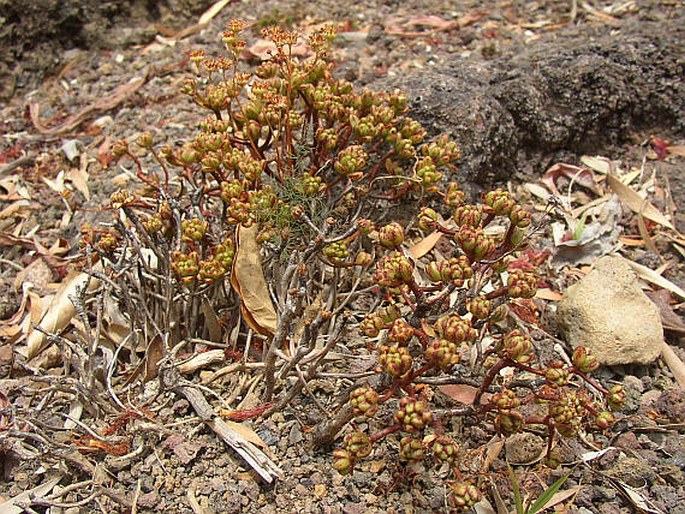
(607, 312)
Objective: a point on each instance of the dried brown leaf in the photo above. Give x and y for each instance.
(38, 273)
(677, 150)
(461, 393)
(247, 278)
(635, 202)
(669, 319)
(651, 276)
(545, 293)
(60, 312)
(79, 177)
(153, 355)
(212, 321)
(425, 245)
(646, 236)
(210, 13)
(121, 93)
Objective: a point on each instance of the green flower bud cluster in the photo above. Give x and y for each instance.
(337, 252)
(210, 271)
(391, 235)
(455, 270)
(427, 219)
(509, 419)
(605, 420)
(363, 259)
(364, 401)
(516, 346)
(400, 332)
(412, 130)
(393, 270)
(616, 398)
(413, 415)
(505, 400)
(442, 151)
(395, 360)
(454, 195)
(411, 449)
(584, 360)
(366, 226)
(186, 265)
(120, 198)
(108, 241)
(351, 162)
(454, 329)
(468, 215)
(479, 307)
(442, 353)
(463, 496)
(522, 284)
(312, 185)
(557, 373)
(358, 445)
(475, 243)
(499, 201)
(567, 412)
(194, 230)
(444, 448)
(509, 422)
(426, 170)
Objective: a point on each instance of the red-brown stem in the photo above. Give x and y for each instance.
(502, 363)
(421, 336)
(402, 382)
(587, 379)
(497, 293)
(590, 408)
(444, 230)
(529, 369)
(442, 295)
(385, 432)
(408, 300)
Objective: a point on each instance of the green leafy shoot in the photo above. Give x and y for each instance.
(541, 503)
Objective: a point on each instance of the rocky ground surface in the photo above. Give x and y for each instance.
(524, 86)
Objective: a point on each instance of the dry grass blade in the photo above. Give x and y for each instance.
(636, 203)
(210, 13)
(674, 363)
(651, 276)
(247, 278)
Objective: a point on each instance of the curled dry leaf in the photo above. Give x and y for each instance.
(247, 278)
(581, 176)
(60, 311)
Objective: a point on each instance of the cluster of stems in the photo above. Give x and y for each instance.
(290, 153)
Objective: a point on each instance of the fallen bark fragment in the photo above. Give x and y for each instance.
(253, 456)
